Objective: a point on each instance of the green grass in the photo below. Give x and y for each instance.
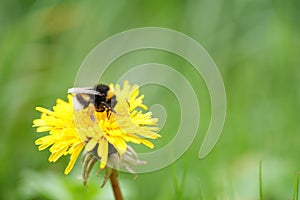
(260, 181)
(296, 187)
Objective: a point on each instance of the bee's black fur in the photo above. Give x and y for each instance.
(101, 101)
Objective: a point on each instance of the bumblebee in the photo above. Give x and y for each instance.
(101, 96)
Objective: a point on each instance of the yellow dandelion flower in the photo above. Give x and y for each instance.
(62, 137)
(101, 133)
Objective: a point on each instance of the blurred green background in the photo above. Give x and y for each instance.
(255, 44)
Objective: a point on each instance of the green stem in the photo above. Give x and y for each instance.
(115, 186)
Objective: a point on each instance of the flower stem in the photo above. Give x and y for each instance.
(115, 186)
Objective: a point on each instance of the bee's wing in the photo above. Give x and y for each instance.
(84, 90)
(81, 97)
(82, 102)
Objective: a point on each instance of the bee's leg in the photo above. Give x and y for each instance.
(108, 114)
(113, 101)
(108, 106)
(127, 102)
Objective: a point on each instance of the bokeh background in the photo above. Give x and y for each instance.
(255, 44)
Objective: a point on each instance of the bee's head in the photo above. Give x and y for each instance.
(103, 89)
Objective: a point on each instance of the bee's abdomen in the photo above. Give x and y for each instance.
(81, 101)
